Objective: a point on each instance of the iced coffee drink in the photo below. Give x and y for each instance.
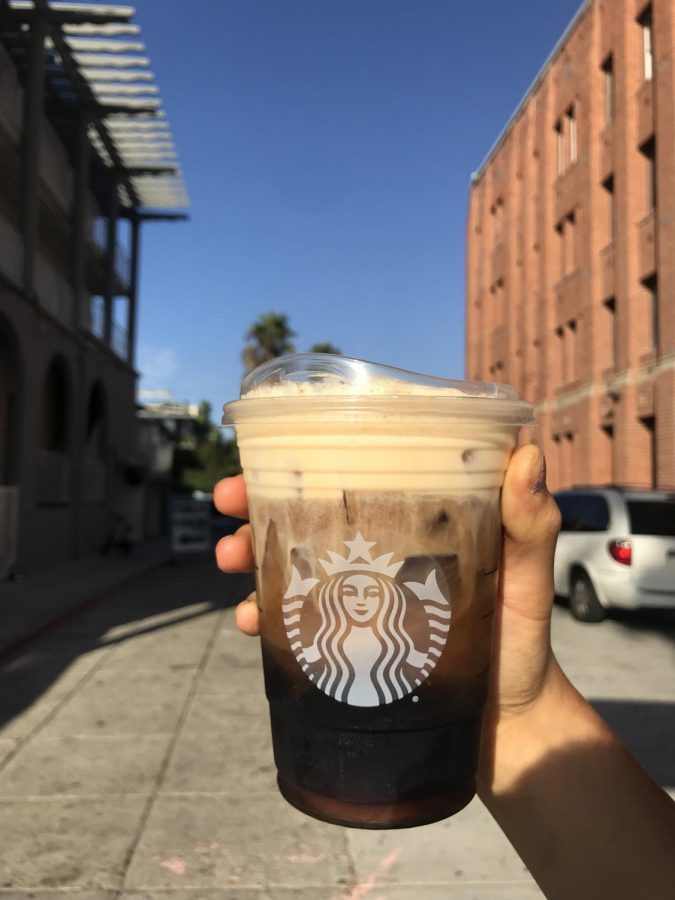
(374, 507)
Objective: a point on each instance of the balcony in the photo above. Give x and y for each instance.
(119, 333)
(646, 246)
(55, 169)
(120, 340)
(97, 237)
(54, 292)
(11, 252)
(607, 284)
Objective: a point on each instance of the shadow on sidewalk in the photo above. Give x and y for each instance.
(176, 593)
(647, 728)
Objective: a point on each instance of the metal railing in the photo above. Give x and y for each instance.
(120, 340)
(54, 292)
(97, 316)
(55, 169)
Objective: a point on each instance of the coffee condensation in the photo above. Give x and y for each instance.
(376, 538)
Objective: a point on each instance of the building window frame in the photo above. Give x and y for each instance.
(571, 122)
(646, 23)
(608, 186)
(609, 87)
(610, 305)
(648, 151)
(651, 285)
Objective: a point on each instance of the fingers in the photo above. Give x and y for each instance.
(230, 497)
(247, 616)
(531, 522)
(234, 553)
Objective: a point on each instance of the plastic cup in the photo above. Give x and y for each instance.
(374, 505)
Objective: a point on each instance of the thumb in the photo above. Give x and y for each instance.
(531, 521)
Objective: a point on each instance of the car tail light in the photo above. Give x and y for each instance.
(621, 551)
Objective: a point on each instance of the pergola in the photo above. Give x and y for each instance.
(84, 67)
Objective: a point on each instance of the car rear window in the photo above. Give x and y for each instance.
(652, 517)
(583, 512)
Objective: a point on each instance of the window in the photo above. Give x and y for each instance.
(645, 22)
(610, 306)
(652, 517)
(566, 229)
(608, 185)
(608, 77)
(648, 150)
(573, 350)
(566, 140)
(497, 211)
(651, 284)
(583, 512)
(560, 146)
(571, 122)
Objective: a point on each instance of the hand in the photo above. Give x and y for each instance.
(523, 666)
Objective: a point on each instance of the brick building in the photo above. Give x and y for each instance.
(571, 249)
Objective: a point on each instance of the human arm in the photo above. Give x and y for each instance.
(566, 792)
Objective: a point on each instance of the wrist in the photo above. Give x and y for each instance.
(520, 740)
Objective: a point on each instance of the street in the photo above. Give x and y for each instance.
(135, 760)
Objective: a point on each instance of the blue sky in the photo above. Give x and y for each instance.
(327, 147)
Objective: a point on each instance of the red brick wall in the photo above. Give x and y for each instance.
(547, 250)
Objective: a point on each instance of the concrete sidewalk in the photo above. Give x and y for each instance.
(32, 603)
(135, 763)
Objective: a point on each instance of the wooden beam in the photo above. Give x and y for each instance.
(109, 29)
(104, 45)
(96, 74)
(123, 90)
(108, 60)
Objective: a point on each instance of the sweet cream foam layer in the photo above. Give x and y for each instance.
(380, 387)
(317, 438)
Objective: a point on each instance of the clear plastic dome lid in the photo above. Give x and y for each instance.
(327, 374)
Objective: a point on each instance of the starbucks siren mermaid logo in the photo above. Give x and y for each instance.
(362, 653)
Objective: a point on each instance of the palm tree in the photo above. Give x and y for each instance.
(325, 347)
(268, 337)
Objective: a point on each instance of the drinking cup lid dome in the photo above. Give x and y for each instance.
(301, 383)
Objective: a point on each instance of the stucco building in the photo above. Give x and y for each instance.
(86, 158)
(570, 292)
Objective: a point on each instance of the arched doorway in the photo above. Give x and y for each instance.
(53, 484)
(96, 445)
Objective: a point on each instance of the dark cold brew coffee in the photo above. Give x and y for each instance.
(376, 628)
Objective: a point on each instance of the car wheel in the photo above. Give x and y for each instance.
(584, 603)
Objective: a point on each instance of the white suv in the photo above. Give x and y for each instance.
(616, 548)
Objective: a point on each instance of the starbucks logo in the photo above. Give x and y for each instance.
(360, 635)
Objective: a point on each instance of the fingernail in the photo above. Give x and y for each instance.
(540, 481)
